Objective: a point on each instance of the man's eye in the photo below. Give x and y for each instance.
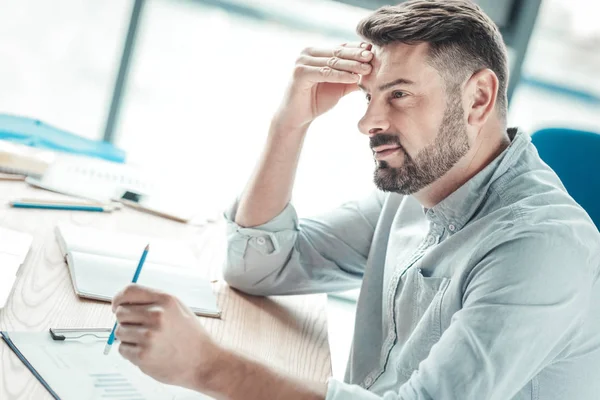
(368, 97)
(398, 95)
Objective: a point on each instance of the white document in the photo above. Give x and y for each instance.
(8, 275)
(92, 178)
(78, 369)
(105, 181)
(14, 247)
(102, 263)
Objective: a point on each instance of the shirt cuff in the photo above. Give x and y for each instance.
(259, 248)
(285, 220)
(337, 390)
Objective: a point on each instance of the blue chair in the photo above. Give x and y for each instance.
(575, 157)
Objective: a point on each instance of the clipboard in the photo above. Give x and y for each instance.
(30, 367)
(79, 333)
(58, 335)
(71, 365)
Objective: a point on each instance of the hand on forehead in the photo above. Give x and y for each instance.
(399, 61)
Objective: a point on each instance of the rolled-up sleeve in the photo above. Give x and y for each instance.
(288, 255)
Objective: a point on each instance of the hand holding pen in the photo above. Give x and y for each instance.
(136, 275)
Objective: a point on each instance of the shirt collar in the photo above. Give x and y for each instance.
(458, 208)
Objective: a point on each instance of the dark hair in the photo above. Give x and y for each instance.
(462, 38)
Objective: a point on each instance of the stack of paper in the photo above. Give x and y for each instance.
(23, 160)
(14, 247)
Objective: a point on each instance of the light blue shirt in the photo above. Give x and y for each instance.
(491, 294)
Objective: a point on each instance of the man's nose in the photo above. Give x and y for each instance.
(374, 121)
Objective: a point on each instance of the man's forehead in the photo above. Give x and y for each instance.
(399, 60)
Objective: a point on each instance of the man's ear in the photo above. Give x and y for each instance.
(481, 91)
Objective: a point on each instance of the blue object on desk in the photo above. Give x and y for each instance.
(17, 204)
(35, 133)
(575, 157)
(136, 275)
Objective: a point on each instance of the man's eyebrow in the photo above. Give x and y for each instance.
(385, 86)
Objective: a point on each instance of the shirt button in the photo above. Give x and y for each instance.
(368, 381)
(430, 240)
(261, 241)
(452, 227)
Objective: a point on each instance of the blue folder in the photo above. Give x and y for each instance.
(35, 133)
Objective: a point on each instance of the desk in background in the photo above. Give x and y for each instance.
(289, 333)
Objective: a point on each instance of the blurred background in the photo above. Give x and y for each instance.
(189, 86)
(205, 77)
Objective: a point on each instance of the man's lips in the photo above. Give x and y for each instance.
(384, 151)
(384, 147)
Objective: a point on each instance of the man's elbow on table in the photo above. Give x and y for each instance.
(255, 259)
(238, 280)
(249, 276)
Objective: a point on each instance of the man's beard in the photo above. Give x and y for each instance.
(450, 145)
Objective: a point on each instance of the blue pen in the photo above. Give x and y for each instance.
(17, 204)
(111, 338)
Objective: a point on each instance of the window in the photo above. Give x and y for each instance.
(59, 59)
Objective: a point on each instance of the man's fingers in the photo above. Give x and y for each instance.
(341, 64)
(130, 352)
(348, 53)
(133, 334)
(140, 314)
(325, 74)
(136, 294)
(363, 45)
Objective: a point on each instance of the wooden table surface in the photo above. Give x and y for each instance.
(289, 333)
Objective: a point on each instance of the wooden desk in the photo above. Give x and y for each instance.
(287, 332)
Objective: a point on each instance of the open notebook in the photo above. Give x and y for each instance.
(102, 263)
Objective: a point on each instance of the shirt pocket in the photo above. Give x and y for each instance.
(424, 312)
